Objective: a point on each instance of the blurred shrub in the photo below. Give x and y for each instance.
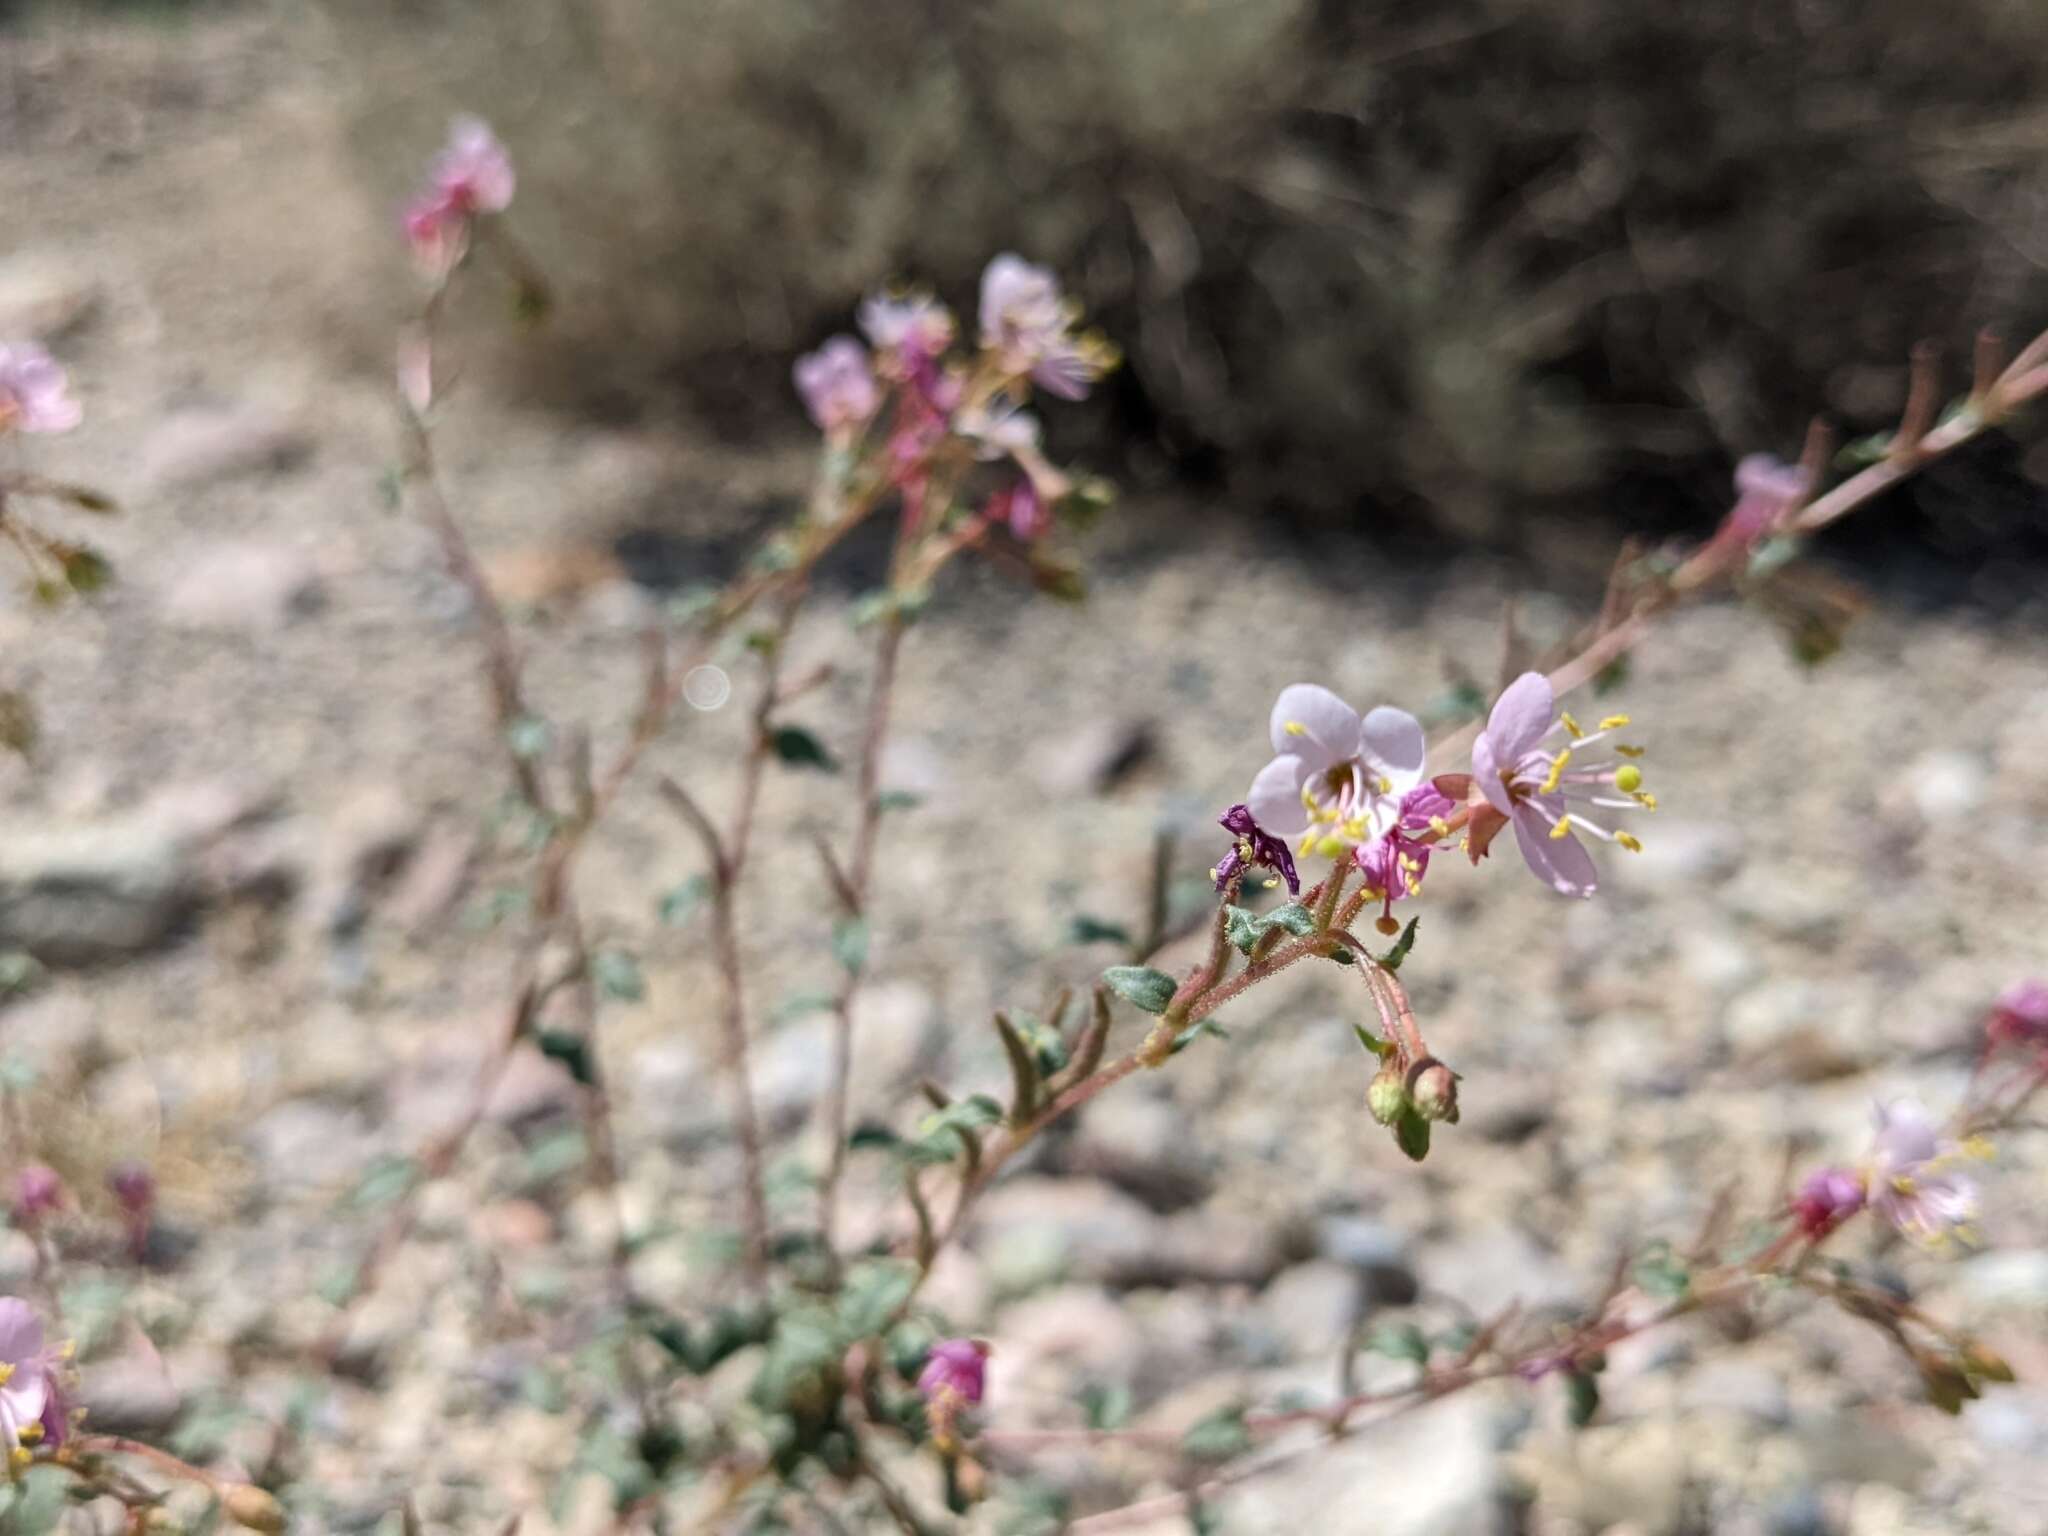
(1475, 255)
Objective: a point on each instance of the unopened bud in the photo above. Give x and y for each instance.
(249, 1506)
(1388, 1096)
(1435, 1091)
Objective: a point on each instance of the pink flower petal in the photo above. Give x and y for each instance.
(1394, 746)
(1275, 796)
(1520, 717)
(21, 1331)
(1314, 724)
(1486, 774)
(1559, 862)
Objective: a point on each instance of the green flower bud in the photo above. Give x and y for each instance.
(1435, 1091)
(1387, 1096)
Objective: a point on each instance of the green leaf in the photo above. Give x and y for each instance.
(1141, 986)
(897, 800)
(1581, 1398)
(973, 1113)
(572, 1051)
(387, 1179)
(1094, 930)
(679, 902)
(617, 975)
(1245, 928)
(19, 972)
(1411, 1133)
(86, 570)
(1400, 1341)
(553, 1156)
(1375, 1047)
(1862, 452)
(850, 944)
(1106, 1406)
(1659, 1273)
(870, 1136)
(528, 737)
(874, 1292)
(798, 748)
(797, 1004)
(1218, 1437)
(1392, 958)
(1196, 1031)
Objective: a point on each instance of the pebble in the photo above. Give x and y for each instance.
(43, 297)
(1313, 1307)
(204, 446)
(2011, 1278)
(1948, 785)
(244, 586)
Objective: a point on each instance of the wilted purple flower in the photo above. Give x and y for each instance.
(1911, 1185)
(471, 175)
(1395, 861)
(955, 1373)
(32, 391)
(2020, 1015)
(1540, 789)
(1336, 780)
(838, 385)
(1255, 846)
(1829, 1197)
(1029, 325)
(133, 1186)
(32, 1408)
(38, 1192)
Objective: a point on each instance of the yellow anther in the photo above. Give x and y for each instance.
(1355, 827)
(1307, 845)
(1979, 1147)
(1564, 826)
(1614, 722)
(1308, 797)
(1271, 881)
(1295, 728)
(1903, 1183)
(1330, 847)
(1439, 826)
(1628, 778)
(20, 1457)
(1645, 799)
(1556, 772)
(1386, 785)
(30, 1433)
(1629, 751)
(6, 1373)
(1629, 841)
(1570, 725)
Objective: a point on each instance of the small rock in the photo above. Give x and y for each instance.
(894, 1024)
(1948, 785)
(1737, 1386)
(434, 879)
(1094, 757)
(131, 1395)
(1491, 1269)
(1803, 1030)
(546, 574)
(1313, 1307)
(206, 445)
(244, 586)
(1717, 961)
(1037, 1229)
(1683, 854)
(1049, 1345)
(310, 1143)
(1795, 901)
(364, 842)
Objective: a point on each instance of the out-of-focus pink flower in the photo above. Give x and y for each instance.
(472, 175)
(33, 395)
(1020, 507)
(955, 1372)
(1029, 325)
(1336, 778)
(1912, 1181)
(838, 385)
(908, 329)
(2020, 1016)
(1395, 861)
(32, 1407)
(1829, 1197)
(133, 1186)
(1542, 790)
(1766, 490)
(1000, 428)
(1255, 846)
(38, 1192)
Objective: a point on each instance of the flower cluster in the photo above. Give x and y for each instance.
(1028, 339)
(33, 1409)
(1910, 1181)
(471, 177)
(954, 1376)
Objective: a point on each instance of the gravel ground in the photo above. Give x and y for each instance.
(271, 738)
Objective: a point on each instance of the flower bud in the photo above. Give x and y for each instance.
(1435, 1091)
(38, 1191)
(250, 1507)
(133, 1186)
(1388, 1095)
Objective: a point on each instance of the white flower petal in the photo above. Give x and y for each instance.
(1314, 724)
(1394, 747)
(1275, 796)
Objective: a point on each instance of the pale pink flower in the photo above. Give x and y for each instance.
(838, 385)
(1912, 1184)
(1029, 325)
(909, 329)
(1766, 490)
(1020, 507)
(33, 394)
(38, 1192)
(1336, 779)
(472, 175)
(32, 1407)
(1542, 789)
(1000, 428)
